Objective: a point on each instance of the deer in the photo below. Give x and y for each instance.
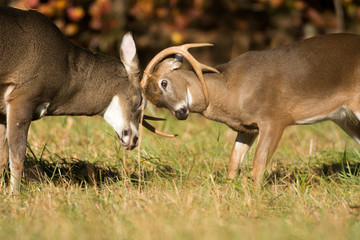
(260, 93)
(42, 73)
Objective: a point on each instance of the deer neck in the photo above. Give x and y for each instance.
(217, 93)
(91, 83)
(223, 101)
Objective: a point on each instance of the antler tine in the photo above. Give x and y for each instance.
(208, 68)
(154, 130)
(195, 45)
(153, 118)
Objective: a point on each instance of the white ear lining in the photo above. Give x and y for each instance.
(128, 53)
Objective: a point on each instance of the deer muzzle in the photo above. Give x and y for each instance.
(129, 138)
(182, 113)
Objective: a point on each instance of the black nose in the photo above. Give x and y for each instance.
(133, 144)
(181, 114)
(135, 141)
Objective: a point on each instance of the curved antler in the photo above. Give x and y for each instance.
(146, 117)
(182, 50)
(151, 128)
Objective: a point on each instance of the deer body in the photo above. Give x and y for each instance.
(263, 92)
(43, 73)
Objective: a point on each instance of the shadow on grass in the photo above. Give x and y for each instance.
(337, 164)
(75, 171)
(68, 170)
(328, 165)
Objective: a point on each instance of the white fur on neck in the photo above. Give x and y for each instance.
(113, 115)
(8, 91)
(188, 97)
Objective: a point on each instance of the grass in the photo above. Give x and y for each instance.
(81, 184)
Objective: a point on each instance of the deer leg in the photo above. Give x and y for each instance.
(19, 117)
(269, 138)
(4, 149)
(242, 144)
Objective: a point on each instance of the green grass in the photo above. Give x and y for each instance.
(81, 184)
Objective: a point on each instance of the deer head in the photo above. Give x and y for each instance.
(164, 87)
(124, 111)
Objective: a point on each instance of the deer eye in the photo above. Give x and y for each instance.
(164, 84)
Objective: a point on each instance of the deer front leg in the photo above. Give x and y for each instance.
(242, 144)
(4, 153)
(4, 149)
(19, 116)
(269, 138)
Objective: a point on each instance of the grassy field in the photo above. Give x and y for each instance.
(81, 184)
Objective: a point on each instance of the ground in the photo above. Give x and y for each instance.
(81, 184)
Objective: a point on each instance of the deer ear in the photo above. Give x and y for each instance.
(128, 54)
(176, 64)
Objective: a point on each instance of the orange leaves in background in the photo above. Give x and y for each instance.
(97, 10)
(32, 3)
(276, 3)
(172, 16)
(68, 16)
(75, 13)
(177, 38)
(159, 23)
(143, 9)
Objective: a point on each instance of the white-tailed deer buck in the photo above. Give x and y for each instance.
(42, 73)
(263, 92)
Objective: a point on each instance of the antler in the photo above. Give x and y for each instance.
(182, 50)
(154, 130)
(151, 128)
(153, 118)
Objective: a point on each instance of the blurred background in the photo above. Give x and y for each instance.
(234, 26)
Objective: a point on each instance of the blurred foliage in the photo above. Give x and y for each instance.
(96, 24)
(235, 25)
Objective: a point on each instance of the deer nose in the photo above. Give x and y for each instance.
(133, 144)
(129, 139)
(182, 113)
(135, 141)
